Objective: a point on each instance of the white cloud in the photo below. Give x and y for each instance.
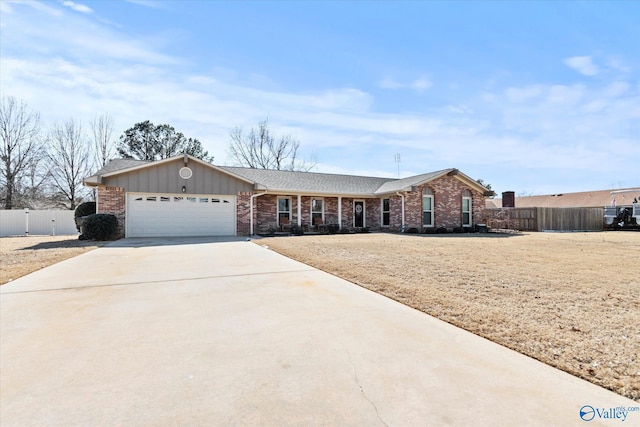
(73, 36)
(616, 89)
(523, 94)
(78, 7)
(5, 7)
(420, 84)
(459, 109)
(566, 95)
(389, 83)
(582, 64)
(521, 129)
(147, 3)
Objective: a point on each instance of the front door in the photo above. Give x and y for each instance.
(358, 214)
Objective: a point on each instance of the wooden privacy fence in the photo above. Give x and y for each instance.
(543, 219)
(27, 222)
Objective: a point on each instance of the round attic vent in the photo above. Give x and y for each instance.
(185, 173)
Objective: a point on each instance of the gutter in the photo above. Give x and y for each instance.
(402, 196)
(253, 196)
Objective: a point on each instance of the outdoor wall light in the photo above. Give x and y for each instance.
(184, 189)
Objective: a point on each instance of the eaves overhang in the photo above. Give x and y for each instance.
(288, 192)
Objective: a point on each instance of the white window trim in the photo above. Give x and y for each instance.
(470, 211)
(278, 211)
(312, 211)
(423, 211)
(382, 211)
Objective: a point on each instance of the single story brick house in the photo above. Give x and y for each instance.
(185, 196)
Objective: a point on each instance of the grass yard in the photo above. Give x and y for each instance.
(571, 300)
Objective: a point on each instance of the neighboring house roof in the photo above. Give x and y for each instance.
(300, 182)
(585, 199)
(493, 203)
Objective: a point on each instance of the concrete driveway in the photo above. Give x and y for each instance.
(225, 332)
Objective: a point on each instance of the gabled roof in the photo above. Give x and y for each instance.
(120, 166)
(309, 182)
(113, 166)
(295, 181)
(405, 184)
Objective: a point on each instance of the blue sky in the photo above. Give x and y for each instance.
(532, 97)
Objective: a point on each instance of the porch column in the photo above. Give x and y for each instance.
(299, 210)
(340, 211)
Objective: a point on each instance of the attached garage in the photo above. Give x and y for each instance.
(174, 197)
(169, 215)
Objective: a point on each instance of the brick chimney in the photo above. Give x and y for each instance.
(508, 199)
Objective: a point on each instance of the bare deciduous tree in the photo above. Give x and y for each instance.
(69, 161)
(259, 149)
(20, 131)
(32, 190)
(104, 146)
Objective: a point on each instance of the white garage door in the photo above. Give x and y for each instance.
(166, 215)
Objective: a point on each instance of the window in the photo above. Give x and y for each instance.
(466, 208)
(385, 212)
(284, 210)
(164, 199)
(317, 211)
(427, 208)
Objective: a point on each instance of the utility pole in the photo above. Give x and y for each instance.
(397, 160)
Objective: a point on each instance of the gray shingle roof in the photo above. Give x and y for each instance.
(300, 182)
(391, 186)
(118, 164)
(309, 181)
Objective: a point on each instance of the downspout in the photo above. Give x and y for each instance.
(299, 210)
(253, 196)
(402, 196)
(340, 212)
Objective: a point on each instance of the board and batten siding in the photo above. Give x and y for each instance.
(164, 178)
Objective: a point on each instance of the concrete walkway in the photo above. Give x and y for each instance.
(225, 332)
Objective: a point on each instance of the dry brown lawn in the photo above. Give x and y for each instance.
(22, 255)
(571, 300)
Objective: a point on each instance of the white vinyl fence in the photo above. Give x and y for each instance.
(35, 222)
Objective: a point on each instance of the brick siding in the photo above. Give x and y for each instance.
(111, 200)
(243, 213)
(447, 198)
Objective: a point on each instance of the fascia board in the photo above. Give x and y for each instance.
(319, 194)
